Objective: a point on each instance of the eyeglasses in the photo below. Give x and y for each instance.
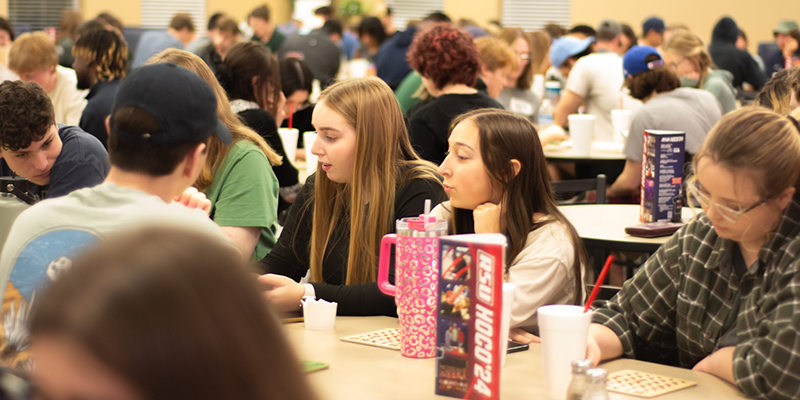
(696, 193)
(524, 56)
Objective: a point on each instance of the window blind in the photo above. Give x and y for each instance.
(533, 15)
(36, 15)
(409, 10)
(156, 14)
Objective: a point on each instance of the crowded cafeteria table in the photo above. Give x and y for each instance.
(603, 226)
(364, 372)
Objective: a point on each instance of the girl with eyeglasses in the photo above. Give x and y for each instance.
(722, 296)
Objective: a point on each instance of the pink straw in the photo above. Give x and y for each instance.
(599, 282)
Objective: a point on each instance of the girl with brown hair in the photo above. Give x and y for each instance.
(517, 96)
(161, 314)
(367, 177)
(238, 179)
(496, 176)
(686, 55)
(250, 75)
(722, 296)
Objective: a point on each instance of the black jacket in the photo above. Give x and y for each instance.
(726, 56)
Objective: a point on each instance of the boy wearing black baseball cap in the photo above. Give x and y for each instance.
(160, 123)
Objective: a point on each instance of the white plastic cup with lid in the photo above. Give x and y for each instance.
(311, 160)
(564, 330)
(289, 140)
(581, 130)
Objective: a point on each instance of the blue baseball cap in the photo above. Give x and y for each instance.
(566, 47)
(182, 103)
(633, 63)
(653, 23)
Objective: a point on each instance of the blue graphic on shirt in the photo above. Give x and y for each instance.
(40, 262)
(47, 256)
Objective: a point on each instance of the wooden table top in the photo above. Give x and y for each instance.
(606, 223)
(364, 372)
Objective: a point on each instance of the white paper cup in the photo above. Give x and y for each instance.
(289, 139)
(358, 68)
(505, 322)
(319, 315)
(581, 129)
(563, 330)
(311, 160)
(621, 120)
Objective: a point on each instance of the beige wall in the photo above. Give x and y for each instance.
(128, 11)
(4, 8)
(756, 18)
(480, 11)
(239, 9)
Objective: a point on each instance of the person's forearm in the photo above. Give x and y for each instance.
(245, 238)
(608, 341)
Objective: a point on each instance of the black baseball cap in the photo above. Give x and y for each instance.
(182, 103)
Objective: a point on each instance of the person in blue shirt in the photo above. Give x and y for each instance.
(179, 34)
(57, 159)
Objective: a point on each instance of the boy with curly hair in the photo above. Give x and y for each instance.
(57, 159)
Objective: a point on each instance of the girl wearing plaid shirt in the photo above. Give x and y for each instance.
(722, 296)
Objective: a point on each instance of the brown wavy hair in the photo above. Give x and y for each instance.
(660, 80)
(176, 315)
(26, 114)
(384, 162)
(778, 91)
(217, 151)
(445, 55)
(505, 136)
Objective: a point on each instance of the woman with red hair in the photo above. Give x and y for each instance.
(447, 60)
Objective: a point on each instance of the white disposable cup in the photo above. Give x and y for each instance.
(621, 120)
(289, 139)
(319, 315)
(581, 130)
(359, 68)
(505, 322)
(311, 160)
(563, 330)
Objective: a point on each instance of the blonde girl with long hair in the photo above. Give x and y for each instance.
(238, 179)
(686, 55)
(367, 177)
(722, 296)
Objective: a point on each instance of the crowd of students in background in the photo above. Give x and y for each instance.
(183, 131)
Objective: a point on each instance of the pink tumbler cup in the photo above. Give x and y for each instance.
(416, 277)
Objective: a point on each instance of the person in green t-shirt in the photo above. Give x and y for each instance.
(264, 30)
(237, 178)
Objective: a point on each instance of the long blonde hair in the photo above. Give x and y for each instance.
(217, 151)
(384, 161)
(688, 45)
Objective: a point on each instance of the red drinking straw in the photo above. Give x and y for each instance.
(599, 282)
(291, 114)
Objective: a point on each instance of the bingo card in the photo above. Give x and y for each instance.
(643, 384)
(384, 338)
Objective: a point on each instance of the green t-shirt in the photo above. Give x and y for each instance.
(275, 41)
(245, 193)
(405, 91)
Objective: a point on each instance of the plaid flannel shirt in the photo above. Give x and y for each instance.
(677, 303)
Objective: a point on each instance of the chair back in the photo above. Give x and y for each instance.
(581, 185)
